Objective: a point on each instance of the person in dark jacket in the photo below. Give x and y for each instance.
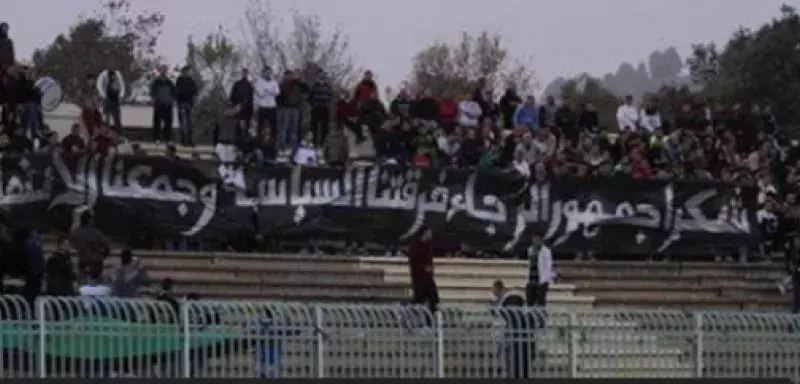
(242, 95)
(91, 246)
(426, 108)
(60, 273)
(520, 348)
(185, 95)
(112, 102)
(508, 105)
(27, 245)
(7, 54)
(420, 263)
(290, 101)
(320, 98)
(30, 99)
(162, 92)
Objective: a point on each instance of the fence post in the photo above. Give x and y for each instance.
(698, 345)
(439, 344)
(318, 323)
(42, 355)
(572, 328)
(187, 345)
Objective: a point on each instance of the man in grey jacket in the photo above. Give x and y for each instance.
(129, 276)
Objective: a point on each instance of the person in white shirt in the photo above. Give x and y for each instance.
(627, 115)
(265, 93)
(305, 153)
(540, 272)
(469, 113)
(650, 118)
(94, 287)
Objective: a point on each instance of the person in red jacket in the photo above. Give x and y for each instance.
(420, 263)
(365, 89)
(448, 110)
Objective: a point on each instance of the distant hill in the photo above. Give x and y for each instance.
(663, 68)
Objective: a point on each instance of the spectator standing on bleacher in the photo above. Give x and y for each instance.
(508, 107)
(243, 95)
(290, 100)
(526, 115)
(113, 100)
(90, 244)
(540, 271)
(265, 93)
(60, 277)
(365, 89)
(185, 95)
(129, 276)
(162, 93)
(320, 99)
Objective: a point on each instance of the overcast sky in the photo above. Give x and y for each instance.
(564, 37)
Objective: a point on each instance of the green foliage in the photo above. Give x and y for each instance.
(758, 66)
(216, 62)
(113, 38)
(454, 68)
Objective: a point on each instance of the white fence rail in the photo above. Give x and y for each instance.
(85, 338)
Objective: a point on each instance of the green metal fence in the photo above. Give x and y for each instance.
(78, 337)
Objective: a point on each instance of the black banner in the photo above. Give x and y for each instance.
(491, 210)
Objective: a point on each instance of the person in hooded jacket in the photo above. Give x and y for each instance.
(508, 107)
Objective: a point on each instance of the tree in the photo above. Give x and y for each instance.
(216, 62)
(454, 68)
(757, 66)
(664, 65)
(306, 47)
(115, 37)
(704, 65)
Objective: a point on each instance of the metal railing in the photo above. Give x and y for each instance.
(85, 338)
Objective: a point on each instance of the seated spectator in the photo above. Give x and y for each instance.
(305, 153)
(627, 115)
(546, 142)
(490, 156)
(449, 147)
(335, 148)
(262, 151)
(129, 276)
(60, 276)
(471, 148)
(521, 163)
(388, 143)
(448, 112)
(527, 115)
(74, 142)
(425, 144)
(650, 118)
(426, 109)
(360, 152)
(94, 286)
(469, 112)
(401, 106)
(527, 150)
(508, 107)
